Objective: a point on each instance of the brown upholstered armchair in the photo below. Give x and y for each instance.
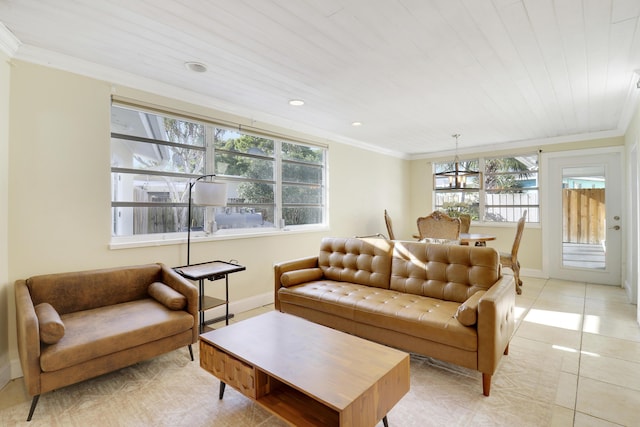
(78, 325)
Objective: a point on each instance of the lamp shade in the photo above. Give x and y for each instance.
(210, 193)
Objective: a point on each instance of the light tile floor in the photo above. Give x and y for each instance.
(595, 345)
(597, 327)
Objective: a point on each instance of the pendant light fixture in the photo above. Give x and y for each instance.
(458, 178)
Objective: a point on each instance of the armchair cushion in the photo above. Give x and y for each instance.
(292, 278)
(167, 296)
(49, 323)
(467, 313)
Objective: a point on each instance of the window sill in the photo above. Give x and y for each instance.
(165, 240)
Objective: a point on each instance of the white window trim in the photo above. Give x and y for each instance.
(178, 238)
(482, 201)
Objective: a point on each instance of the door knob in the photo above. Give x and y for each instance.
(615, 227)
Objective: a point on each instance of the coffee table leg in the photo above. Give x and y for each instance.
(222, 386)
(385, 422)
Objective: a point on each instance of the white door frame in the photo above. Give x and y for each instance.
(550, 240)
(631, 279)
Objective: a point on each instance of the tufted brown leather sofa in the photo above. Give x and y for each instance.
(449, 302)
(107, 320)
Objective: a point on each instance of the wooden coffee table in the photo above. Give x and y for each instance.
(305, 373)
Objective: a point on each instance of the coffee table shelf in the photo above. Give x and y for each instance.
(298, 408)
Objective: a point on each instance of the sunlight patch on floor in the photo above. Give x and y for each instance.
(591, 324)
(574, 350)
(557, 319)
(519, 312)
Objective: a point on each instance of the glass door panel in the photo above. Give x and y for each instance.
(584, 217)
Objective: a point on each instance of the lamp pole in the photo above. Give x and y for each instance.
(191, 184)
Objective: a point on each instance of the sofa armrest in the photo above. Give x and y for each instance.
(28, 333)
(496, 323)
(291, 265)
(186, 288)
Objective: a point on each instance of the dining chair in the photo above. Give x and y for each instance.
(438, 225)
(510, 259)
(387, 221)
(465, 222)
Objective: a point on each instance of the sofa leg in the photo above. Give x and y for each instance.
(34, 402)
(506, 350)
(221, 392)
(486, 384)
(191, 352)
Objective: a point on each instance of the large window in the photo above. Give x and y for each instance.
(509, 187)
(271, 182)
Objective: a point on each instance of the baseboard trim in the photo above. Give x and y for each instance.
(246, 304)
(538, 274)
(10, 371)
(5, 374)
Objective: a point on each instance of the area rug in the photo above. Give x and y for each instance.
(170, 390)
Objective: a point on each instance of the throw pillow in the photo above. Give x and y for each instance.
(49, 322)
(167, 296)
(292, 278)
(467, 313)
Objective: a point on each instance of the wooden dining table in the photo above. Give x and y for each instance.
(478, 239)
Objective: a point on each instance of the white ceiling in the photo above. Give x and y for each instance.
(414, 72)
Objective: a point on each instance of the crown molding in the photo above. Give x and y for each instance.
(9, 44)
(523, 144)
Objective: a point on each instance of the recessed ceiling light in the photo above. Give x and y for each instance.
(296, 102)
(356, 124)
(197, 67)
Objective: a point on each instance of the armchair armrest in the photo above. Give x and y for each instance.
(291, 265)
(186, 288)
(28, 332)
(496, 323)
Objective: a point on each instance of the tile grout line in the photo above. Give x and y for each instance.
(584, 309)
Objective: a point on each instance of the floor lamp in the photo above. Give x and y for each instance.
(205, 193)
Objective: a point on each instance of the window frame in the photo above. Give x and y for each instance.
(168, 237)
(483, 191)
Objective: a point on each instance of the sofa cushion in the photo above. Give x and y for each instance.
(445, 272)
(360, 261)
(106, 330)
(422, 317)
(167, 296)
(49, 323)
(467, 313)
(85, 290)
(292, 278)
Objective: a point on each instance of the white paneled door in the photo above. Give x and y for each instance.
(583, 222)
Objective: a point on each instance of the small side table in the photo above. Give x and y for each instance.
(213, 270)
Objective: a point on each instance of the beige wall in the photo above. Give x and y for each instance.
(5, 370)
(59, 203)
